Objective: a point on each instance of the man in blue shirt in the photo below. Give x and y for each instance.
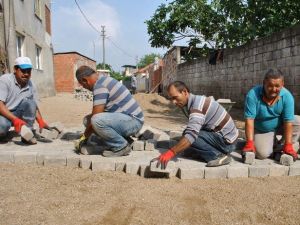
(269, 110)
(115, 115)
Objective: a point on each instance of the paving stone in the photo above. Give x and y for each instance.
(101, 165)
(85, 163)
(170, 167)
(25, 157)
(145, 171)
(132, 168)
(26, 133)
(249, 158)
(150, 145)
(120, 166)
(176, 135)
(242, 134)
(295, 169)
(73, 161)
(6, 157)
(215, 172)
(278, 170)
(55, 160)
(48, 134)
(286, 160)
(191, 173)
(162, 137)
(234, 171)
(163, 144)
(259, 171)
(58, 126)
(138, 146)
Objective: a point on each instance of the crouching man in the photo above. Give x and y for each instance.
(210, 133)
(115, 115)
(269, 111)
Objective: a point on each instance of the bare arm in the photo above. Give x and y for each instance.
(183, 144)
(5, 112)
(287, 132)
(89, 129)
(249, 129)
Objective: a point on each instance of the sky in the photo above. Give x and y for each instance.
(124, 20)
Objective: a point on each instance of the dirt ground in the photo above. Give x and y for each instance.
(48, 195)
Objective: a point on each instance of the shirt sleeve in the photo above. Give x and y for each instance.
(250, 110)
(3, 91)
(196, 121)
(288, 108)
(100, 95)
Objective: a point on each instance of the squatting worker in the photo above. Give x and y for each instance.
(18, 100)
(115, 115)
(210, 133)
(269, 111)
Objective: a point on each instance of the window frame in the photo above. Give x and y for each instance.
(38, 57)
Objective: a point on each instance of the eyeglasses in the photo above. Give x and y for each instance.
(24, 71)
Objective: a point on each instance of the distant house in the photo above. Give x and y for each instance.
(65, 66)
(129, 70)
(25, 30)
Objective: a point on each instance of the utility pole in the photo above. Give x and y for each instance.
(137, 61)
(103, 44)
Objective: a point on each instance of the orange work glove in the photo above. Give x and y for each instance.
(42, 123)
(165, 157)
(289, 149)
(18, 123)
(249, 147)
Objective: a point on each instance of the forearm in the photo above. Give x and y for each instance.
(287, 131)
(5, 112)
(183, 144)
(88, 130)
(38, 115)
(249, 129)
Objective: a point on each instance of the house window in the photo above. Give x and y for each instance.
(37, 8)
(48, 19)
(20, 42)
(38, 57)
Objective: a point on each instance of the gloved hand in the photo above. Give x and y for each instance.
(82, 140)
(164, 158)
(18, 123)
(42, 123)
(289, 149)
(249, 147)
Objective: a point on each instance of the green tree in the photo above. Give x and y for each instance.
(116, 75)
(219, 23)
(148, 59)
(100, 67)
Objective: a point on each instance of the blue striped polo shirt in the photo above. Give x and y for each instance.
(207, 114)
(116, 98)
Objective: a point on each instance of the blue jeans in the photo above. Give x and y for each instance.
(114, 128)
(26, 111)
(209, 145)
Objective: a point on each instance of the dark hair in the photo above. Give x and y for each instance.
(273, 74)
(84, 71)
(179, 85)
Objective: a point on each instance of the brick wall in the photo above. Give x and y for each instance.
(244, 67)
(65, 66)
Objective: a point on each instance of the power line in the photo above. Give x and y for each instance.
(123, 51)
(85, 17)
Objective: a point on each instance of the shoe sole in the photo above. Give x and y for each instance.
(124, 152)
(220, 162)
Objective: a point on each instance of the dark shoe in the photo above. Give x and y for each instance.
(123, 152)
(220, 161)
(32, 141)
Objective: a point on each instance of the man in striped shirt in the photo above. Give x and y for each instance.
(115, 115)
(210, 133)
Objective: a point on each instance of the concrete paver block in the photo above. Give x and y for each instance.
(132, 168)
(237, 171)
(162, 137)
(55, 160)
(242, 134)
(57, 126)
(175, 135)
(26, 133)
(150, 145)
(191, 173)
(6, 157)
(73, 162)
(101, 165)
(48, 134)
(286, 160)
(215, 172)
(259, 171)
(145, 171)
(85, 163)
(170, 167)
(120, 166)
(163, 144)
(25, 157)
(295, 169)
(138, 146)
(278, 170)
(249, 158)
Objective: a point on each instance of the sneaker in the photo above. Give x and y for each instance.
(32, 141)
(220, 161)
(123, 152)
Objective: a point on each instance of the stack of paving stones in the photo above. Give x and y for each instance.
(83, 94)
(147, 145)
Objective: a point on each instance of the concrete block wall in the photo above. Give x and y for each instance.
(244, 67)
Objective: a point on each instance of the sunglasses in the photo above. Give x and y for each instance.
(28, 71)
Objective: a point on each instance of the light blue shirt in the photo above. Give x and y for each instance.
(268, 118)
